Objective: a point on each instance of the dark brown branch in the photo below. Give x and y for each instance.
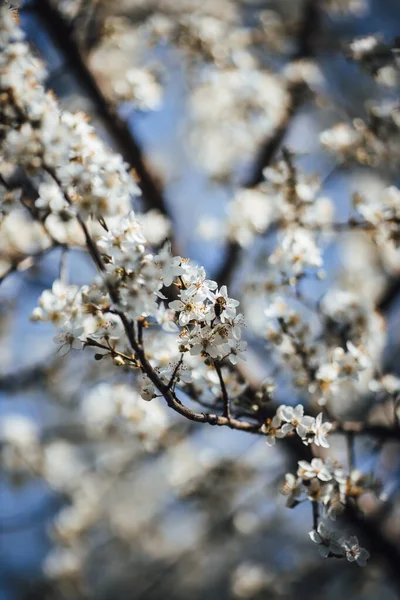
(309, 29)
(351, 455)
(177, 367)
(390, 295)
(315, 514)
(225, 397)
(21, 379)
(140, 331)
(381, 432)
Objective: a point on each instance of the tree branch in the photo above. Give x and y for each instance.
(225, 397)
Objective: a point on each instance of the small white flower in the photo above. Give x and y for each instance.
(316, 468)
(273, 428)
(292, 489)
(238, 351)
(364, 46)
(170, 266)
(147, 389)
(188, 311)
(329, 542)
(69, 339)
(355, 553)
(51, 198)
(320, 432)
(166, 318)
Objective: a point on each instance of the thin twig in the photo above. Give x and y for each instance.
(225, 396)
(315, 513)
(351, 458)
(175, 371)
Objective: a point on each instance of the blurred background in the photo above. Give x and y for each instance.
(192, 93)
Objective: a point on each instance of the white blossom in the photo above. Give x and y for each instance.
(355, 553)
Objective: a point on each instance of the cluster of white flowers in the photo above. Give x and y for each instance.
(250, 213)
(383, 214)
(247, 104)
(39, 137)
(80, 175)
(140, 87)
(221, 56)
(296, 252)
(211, 329)
(380, 59)
(110, 407)
(210, 325)
(292, 338)
(333, 543)
(158, 314)
(288, 419)
(196, 375)
(344, 365)
(372, 142)
(289, 198)
(328, 484)
(335, 367)
(294, 193)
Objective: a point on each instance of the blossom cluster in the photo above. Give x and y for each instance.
(289, 419)
(383, 214)
(81, 176)
(132, 282)
(327, 483)
(254, 102)
(345, 364)
(291, 336)
(38, 136)
(326, 368)
(220, 55)
(371, 142)
(158, 317)
(333, 543)
(289, 198)
(380, 59)
(330, 486)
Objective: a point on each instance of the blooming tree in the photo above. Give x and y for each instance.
(172, 344)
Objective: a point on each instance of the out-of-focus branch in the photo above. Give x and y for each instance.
(381, 432)
(307, 35)
(23, 378)
(128, 146)
(390, 295)
(225, 397)
(306, 41)
(27, 261)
